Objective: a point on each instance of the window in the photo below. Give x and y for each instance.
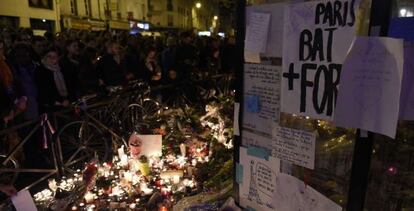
(170, 5)
(73, 7)
(170, 20)
(46, 4)
(88, 8)
(8, 21)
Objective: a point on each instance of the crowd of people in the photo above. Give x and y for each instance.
(40, 74)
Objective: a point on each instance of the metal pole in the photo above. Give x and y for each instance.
(380, 16)
(240, 34)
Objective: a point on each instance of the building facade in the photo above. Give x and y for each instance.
(40, 15)
(56, 15)
(97, 14)
(183, 14)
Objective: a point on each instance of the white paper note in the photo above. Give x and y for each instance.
(256, 32)
(23, 201)
(259, 181)
(292, 194)
(151, 145)
(236, 119)
(251, 57)
(252, 139)
(275, 35)
(315, 45)
(262, 97)
(369, 94)
(294, 146)
(407, 88)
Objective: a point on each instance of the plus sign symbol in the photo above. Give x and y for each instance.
(319, 81)
(291, 75)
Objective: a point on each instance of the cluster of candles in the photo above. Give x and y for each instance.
(127, 183)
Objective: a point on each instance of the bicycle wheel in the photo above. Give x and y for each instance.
(133, 119)
(8, 177)
(150, 107)
(79, 142)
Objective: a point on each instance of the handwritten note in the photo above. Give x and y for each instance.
(275, 35)
(315, 44)
(262, 81)
(252, 139)
(251, 57)
(369, 95)
(259, 181)
(407, 88)
(23, 201)
(294, 146)
(292, 194)
(256, 32)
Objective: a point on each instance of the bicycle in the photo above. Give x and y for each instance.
(78, 141)
(117, 119)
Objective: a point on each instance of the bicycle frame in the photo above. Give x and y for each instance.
(57, 168)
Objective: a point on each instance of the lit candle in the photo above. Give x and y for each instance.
(121, 151)
(163, 208)
(128, 176)
(124, 160)
(74, 208)
(176, 179)
(89, 197)
(132, 206)
(183, 150)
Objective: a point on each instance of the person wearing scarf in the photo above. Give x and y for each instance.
(53, 94)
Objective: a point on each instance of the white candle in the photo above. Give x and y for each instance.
(124, 160)
(132, 206)
(89, 197)
(183, 150)
(128, 176)
(176, 179)
(147, 191)
(121, 151)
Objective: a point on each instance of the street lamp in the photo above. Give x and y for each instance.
(198, 5)
(215, 17)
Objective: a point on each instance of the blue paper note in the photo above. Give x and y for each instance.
(258, 152)
(239, 173)
(402, 28)
(252, 103)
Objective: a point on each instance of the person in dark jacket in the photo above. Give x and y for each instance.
(24, 68)
(51, 85)
(88, 76)
(70, 68)
(186, 57)
(168, 60)
(111, 70)
(12, 102)
(150, 70)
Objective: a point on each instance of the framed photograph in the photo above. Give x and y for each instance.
(46, 4)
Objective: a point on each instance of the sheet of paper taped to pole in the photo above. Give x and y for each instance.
(371, 79)
(262, 97)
